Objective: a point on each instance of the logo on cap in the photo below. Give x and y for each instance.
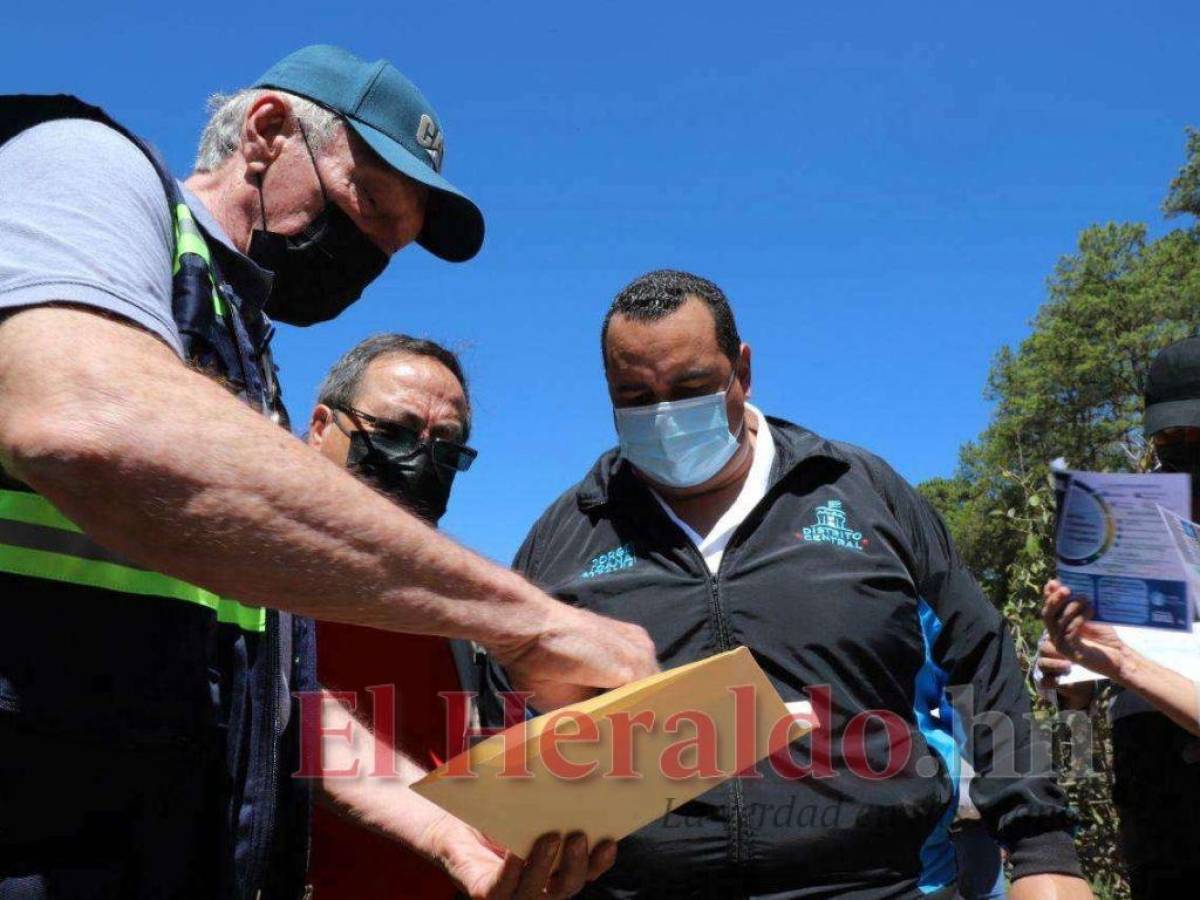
(431, 138)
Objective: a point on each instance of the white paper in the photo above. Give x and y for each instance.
(1079, 674)
(1186, 537)
(1176, 650)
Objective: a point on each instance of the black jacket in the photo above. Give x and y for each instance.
(842, 576)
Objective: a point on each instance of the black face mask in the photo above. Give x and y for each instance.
(409, 476)
(321, 270)
(1181, 456)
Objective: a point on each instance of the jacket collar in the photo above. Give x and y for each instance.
(794, 446)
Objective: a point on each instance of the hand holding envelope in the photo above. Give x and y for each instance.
(609, 765)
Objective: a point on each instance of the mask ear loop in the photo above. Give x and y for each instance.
(353, 416)
(333, 411)
(312, 156)
(262, 204)
(725, 393)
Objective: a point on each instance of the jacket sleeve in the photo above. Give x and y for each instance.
(1015, 788)
(493, 680)
(524, 562)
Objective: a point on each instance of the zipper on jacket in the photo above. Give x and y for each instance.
(263, 830)
(738, 820)
(741, 823)
(725, 639)
(741, 820)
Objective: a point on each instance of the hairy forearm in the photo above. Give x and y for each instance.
(160, 464)
(1172, 694)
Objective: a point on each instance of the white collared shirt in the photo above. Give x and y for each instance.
(712, 546)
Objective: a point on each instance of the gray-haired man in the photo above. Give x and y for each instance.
(156, 534)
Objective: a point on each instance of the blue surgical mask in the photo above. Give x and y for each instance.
(681, 443)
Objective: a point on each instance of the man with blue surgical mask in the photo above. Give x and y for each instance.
(713, 525)
(686, 426)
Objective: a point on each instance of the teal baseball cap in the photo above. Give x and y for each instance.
(387, 111)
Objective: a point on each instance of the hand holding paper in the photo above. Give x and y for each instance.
(1123, 545)
(1172, 690)
(609, 765)
(1090, 644)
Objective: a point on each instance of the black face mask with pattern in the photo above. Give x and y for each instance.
(409, 476)
(322, 269)
(1181, 456)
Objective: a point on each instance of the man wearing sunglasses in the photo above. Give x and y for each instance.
(395, 411)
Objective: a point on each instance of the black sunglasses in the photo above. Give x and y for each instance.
(450, 454)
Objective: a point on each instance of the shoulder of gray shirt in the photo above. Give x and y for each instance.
(85, 221)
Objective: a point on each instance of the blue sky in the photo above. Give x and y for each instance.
(880, 188)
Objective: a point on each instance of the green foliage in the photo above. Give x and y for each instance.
(1073, 389)
(1184, 196)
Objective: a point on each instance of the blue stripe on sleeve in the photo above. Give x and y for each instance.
(939, 867)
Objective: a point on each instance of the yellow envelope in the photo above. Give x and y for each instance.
(707, 721)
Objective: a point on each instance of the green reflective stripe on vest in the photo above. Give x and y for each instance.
(33, 509)
(189, 243)
(247, 618)
(188, 239)
(29, 555)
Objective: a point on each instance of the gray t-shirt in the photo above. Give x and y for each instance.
(84, 219)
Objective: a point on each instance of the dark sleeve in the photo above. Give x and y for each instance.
(1014, 789)
(523, 562)
(494, 681)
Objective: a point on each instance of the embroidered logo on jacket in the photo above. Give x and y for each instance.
(831, 528)
(612, 561)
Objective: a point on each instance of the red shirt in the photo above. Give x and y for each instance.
(348, 861)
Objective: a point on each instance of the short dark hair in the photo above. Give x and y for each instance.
(340, 387)
(657, 294)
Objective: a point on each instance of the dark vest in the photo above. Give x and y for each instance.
(94, 648)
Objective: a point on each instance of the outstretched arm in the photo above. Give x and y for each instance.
(157, 462)
(388, 806)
